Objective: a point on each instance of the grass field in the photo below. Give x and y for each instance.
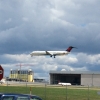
(55, 93)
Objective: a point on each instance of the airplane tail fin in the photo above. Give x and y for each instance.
(70, 48)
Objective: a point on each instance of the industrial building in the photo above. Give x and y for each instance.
(75, 77)
(21, 75)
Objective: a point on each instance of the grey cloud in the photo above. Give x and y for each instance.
(29, 25)
(40, 32)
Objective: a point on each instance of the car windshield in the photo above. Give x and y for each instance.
(8, 98)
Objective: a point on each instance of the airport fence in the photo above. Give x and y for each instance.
(53, 92)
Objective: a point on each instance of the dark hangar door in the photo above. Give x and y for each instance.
(74, 79)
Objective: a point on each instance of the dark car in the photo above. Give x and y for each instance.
(12, 96)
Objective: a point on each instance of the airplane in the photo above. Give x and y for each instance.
(64, 84)
(52, 53)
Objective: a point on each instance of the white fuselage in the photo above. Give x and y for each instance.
(51, 53)
(63, 84)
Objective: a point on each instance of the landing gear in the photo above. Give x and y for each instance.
(53, 55)
(50, 55)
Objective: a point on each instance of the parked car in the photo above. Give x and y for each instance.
(12, 96)
(15, 96)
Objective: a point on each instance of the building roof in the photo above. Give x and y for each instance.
(74, 72)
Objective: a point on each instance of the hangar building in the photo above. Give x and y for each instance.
(75, 77)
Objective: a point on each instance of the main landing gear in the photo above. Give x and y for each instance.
(52, 55)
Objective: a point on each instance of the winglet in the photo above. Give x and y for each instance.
(70, 48)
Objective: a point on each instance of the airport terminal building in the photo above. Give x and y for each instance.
(75, 77)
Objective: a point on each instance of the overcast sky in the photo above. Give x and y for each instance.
(29, 25)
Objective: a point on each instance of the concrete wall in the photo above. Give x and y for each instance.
(86, 79)
(90, 79)
(96, 80)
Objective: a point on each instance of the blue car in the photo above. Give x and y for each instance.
(14, 96)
